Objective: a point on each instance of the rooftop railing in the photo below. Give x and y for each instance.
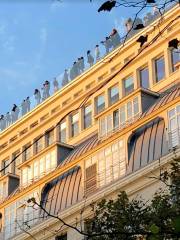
(78, 68)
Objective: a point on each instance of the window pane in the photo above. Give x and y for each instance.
(109, 123)
(122, 115)
(175, 58)
(49, 137)
(136, 105)
(87, 116)
(129, 110)
(74, 124)
(144, 78)
(171, 113)
(62, 136)
(159, 69)
(100, 104)
(116, 119)
(114, 94)
(38, 145)
(102, 127)
(41, 166)
(36, 169)
(128, 85)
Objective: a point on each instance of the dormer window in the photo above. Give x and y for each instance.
(119, 118)
(87, 116)
(38, 145)
(74, 125)
(49, 137)
(62, 134)
(6, 167)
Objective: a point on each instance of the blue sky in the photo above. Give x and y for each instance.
(39, 39)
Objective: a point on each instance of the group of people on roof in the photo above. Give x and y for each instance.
(111, 42)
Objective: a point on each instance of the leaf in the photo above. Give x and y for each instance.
(154, 229)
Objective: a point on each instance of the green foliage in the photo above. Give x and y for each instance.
(124, 219)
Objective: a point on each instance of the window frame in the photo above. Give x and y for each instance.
(64, 130)
(87, 115)
(155, 67)
(126, 93)
(110, 101)
(140, 76)
(73, 130)
(104, 103)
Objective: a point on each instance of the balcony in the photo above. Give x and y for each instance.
(49, 88)
(125, 112)
(42, 163)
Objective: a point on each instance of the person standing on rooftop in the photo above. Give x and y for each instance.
(76, 68)
(107, 44)
(56, 85)
(2, 123)
(79, 65)
(115, 38)
(23, 107)
(65, 79)
(82, 64)
(90, 58)
(28, 104)
(47, 88)
(37, 96)
(8, 119)
(97, 53)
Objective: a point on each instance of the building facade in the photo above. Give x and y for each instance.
(108, 130)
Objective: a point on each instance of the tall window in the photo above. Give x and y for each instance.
(106, 166)
(87, 116)
(17, 161)
(102, 127)
(38, 145)
(175, 58)
(136, 106)
(100, 103)
(116, 119)
(26, 176)
(26, 152)
(128, 85)
(3, 190)
(159, 69)
(74, 124)
(113, 94)
(122, 115)
(174, 126)
(49, 137)
(62, 129)
(6, 167)
(129, 110)
(144, 77)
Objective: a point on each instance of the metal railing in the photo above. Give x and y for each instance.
(120, 126)
(105, 177)
(51, 86)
